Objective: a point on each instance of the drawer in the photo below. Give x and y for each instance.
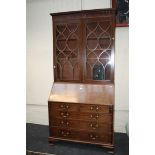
(81, 135)
(64, 106)
(100, 117)
(63, 133)
(82, 125)
(96, 137)
(95, 108)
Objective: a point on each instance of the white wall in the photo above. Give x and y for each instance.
(39, 58)
(39, 51)
(121, 78)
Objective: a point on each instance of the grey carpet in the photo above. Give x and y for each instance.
(37, 140)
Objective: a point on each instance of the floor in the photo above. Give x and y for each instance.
(37, 140)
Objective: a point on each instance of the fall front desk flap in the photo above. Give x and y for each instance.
(82, 93)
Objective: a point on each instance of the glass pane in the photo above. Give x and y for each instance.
(98, 72)
(98, 50)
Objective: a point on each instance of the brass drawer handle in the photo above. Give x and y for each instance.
(64, 123)
(64, 134)
(93, 137)
(97, 115)
(95, 126)
(94, 116)
(61, 113)
(91, 108)
(64, 106)
(67, 106)
(96, 108)
(61, 106)
(64, 114)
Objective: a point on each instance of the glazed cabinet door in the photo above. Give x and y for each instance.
(98, 50)
(67, 51)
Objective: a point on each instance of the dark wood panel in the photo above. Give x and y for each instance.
(82, 93)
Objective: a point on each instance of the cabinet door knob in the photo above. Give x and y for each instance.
(54, 67)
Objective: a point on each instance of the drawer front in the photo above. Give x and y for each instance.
(81, 135)
(81, 107)
(96, 137)
(105, 118)
(65, 106)
(63, 133)
(82, 125)
(95, 108)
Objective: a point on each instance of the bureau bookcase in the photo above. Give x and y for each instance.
(81, 102)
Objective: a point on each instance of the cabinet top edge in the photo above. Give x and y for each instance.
(84, 11)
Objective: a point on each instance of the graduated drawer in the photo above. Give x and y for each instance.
(81, 135)
(95, 108)
(63, 133)
(100, 117)
(82, 125)
(96, 137)
(80, 107)
(64, 106)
